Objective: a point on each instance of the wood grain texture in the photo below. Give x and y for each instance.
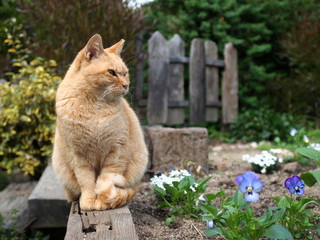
(230, 85)
(114, 224)
(212, 80)
(176, 80)
(158, 53)
(197, 93)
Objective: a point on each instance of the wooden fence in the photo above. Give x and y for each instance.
(166, 100)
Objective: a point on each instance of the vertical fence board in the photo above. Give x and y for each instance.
(176, 80)
(197, 94)
(212, 80)
(158, 56)
(139, 69)
(230, 85)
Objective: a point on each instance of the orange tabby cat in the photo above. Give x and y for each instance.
(99, 150)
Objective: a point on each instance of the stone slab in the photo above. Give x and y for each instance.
(47, 203)
(15, 198)
(177, 147)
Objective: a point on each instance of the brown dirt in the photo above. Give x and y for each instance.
(149, 218)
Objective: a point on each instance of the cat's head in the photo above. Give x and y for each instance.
(103, 68)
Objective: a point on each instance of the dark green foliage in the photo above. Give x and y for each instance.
(254, 27)
(261, 124)
(61, 28)
(7, 12)
(300, 90)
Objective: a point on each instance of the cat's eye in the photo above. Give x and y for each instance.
(112, 72)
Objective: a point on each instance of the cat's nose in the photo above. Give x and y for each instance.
(125, 86)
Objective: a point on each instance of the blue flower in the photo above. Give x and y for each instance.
(294, 185)
(249, 184)
(293, 132)
(210, 223)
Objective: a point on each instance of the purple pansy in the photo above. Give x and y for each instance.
(250, 184)
(294, 185)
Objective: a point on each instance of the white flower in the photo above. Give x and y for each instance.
(263, 170)
(315, 146)
(293, 132)
(174, 176)
(246, 157)
(305, 139)
(275, 151)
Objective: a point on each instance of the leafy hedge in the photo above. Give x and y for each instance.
(27, 114)
(60, 28)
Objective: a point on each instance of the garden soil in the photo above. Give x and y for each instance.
(226, 163)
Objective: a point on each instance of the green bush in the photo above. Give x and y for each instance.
(27, 113)
(60, 28)
(299, 91)
(8, 14)
(262, 124)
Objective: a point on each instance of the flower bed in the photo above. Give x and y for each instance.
(150, 219)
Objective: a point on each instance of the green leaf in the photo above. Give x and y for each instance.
(184, 183)
(310, 153)
(202, 182)
(238, 198)
(212, 232)
(209, 197)
(277, 232)
(304, 202)
(311, 178)
(169, 220)
(207, 218)
(284, 202)
(209, 209)
(159, 191)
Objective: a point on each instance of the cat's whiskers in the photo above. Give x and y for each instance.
(105, 93)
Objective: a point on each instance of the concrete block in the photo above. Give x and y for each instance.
(47, 203)
(177, 146)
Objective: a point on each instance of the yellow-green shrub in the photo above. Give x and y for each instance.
(27, 115)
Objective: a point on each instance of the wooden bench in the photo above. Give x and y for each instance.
(48, 208)
(114, 224)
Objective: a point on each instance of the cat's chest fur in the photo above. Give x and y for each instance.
(94, 129)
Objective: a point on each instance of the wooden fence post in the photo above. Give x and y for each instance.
(212, 80)
(158, 55)
(197, 93)
(230, 85)
(176, 80)
(139, 69)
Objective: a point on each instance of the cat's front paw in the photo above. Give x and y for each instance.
(101, 204)
(87, 203)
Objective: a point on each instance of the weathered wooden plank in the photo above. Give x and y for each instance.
(181, 104)
(197, 94)
(114, 224)
(158, 53)
(178, 59)
(209, 62)
(176, 81)
(47, 202)
(230, 85)
(212, 80)
(215, 63)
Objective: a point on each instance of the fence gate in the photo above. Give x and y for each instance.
(166, 99)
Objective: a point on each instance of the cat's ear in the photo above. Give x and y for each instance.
(94, 47)
(116, 48)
